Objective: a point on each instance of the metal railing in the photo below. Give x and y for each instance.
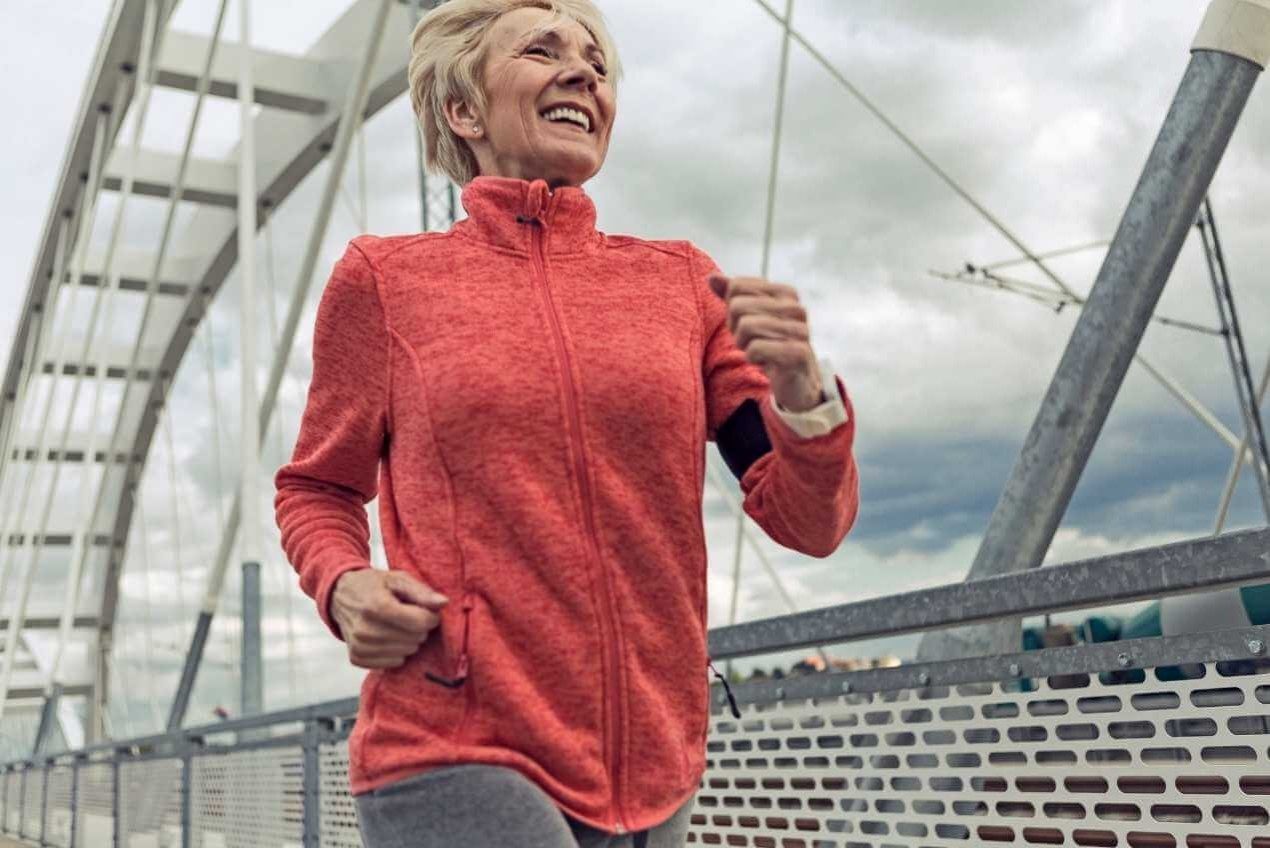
(1092, 744)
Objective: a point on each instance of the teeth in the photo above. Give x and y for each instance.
(563, 113)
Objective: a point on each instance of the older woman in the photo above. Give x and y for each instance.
(530, 399)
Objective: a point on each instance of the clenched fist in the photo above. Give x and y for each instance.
(384, 616)
(770, 327)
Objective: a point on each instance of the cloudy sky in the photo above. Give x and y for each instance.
(1044, 111)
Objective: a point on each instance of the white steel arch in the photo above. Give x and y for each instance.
(303, 100)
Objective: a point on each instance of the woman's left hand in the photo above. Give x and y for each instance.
(770, 326)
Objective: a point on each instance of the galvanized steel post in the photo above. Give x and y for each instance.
(252, 677)
(1228, 56)
(22, 800)
(115, 806)
(312, 833)
(72, 842)
(187, 786)
(44, 803)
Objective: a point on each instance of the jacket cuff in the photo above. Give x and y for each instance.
(820, 419)
(326, 588)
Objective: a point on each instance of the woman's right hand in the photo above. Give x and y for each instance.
(384, 616)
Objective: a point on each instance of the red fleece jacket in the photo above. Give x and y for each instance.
(531, 398)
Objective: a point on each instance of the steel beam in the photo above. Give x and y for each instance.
(49, 622)
(207, 181)
(130, 269)
(45, 727)
(282, 81)
(1164, 205)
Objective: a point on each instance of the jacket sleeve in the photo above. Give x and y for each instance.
(321, 494)
(803, 492)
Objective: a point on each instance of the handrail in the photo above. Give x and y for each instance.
(1210, 562)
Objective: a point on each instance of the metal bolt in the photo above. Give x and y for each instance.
(723, 699)
(1015, 671)
(780, 693)
(1256, 646)
(924, 678)
(1124, 660)
(846, 687)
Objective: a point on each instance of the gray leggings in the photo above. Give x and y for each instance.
(484, 806)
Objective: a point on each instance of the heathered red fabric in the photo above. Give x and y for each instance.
(534, 397)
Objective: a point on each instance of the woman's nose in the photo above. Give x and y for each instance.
(579, 74)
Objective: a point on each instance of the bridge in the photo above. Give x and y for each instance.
(1145, 737)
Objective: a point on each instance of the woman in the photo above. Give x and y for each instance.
(535, 397)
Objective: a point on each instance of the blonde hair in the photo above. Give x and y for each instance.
(447, 57)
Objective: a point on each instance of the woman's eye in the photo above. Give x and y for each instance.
(537, 50)
(600, 69)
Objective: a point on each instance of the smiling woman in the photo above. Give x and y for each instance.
(544, 76)
(531, 399)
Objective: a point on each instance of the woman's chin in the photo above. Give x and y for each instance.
(568, 170)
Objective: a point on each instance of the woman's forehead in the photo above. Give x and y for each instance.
(529, 22)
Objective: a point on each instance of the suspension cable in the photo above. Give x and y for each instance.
(271, 292)
(146, 614)
(175, 485)
(1237, 353)
(772, 172)
(1168, 382)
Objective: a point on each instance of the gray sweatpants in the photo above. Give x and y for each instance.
(484, 806)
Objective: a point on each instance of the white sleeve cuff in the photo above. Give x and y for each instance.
(821, 419)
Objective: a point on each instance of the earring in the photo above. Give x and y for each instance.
(476, 128)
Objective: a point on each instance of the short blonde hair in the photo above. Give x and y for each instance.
(447, 57)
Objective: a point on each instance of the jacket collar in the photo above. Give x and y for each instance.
(505, 212)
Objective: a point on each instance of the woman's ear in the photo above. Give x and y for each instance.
(463, 120)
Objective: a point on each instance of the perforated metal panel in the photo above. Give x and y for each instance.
(338, 814)
(1122, 760)
(95, 805)
(248, 799)
(150, 803)
(57, 825)
(31, 804)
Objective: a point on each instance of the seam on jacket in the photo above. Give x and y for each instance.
(523, 254)
(408, 241)
(460, 728)
(696, 357)
(436, 447)
(375, 278)
(386, 413)
(678, 247)
(701, 329)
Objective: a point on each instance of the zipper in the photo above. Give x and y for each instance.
(612, 742)
(462, 667)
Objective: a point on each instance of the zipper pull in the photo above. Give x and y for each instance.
(736, 712)
(462, 669)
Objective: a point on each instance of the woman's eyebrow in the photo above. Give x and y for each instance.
(552, 34)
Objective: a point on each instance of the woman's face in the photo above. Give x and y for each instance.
(549, 104)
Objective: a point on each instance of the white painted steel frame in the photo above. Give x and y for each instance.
(361, 99)
(294, 151)
(108, 287)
